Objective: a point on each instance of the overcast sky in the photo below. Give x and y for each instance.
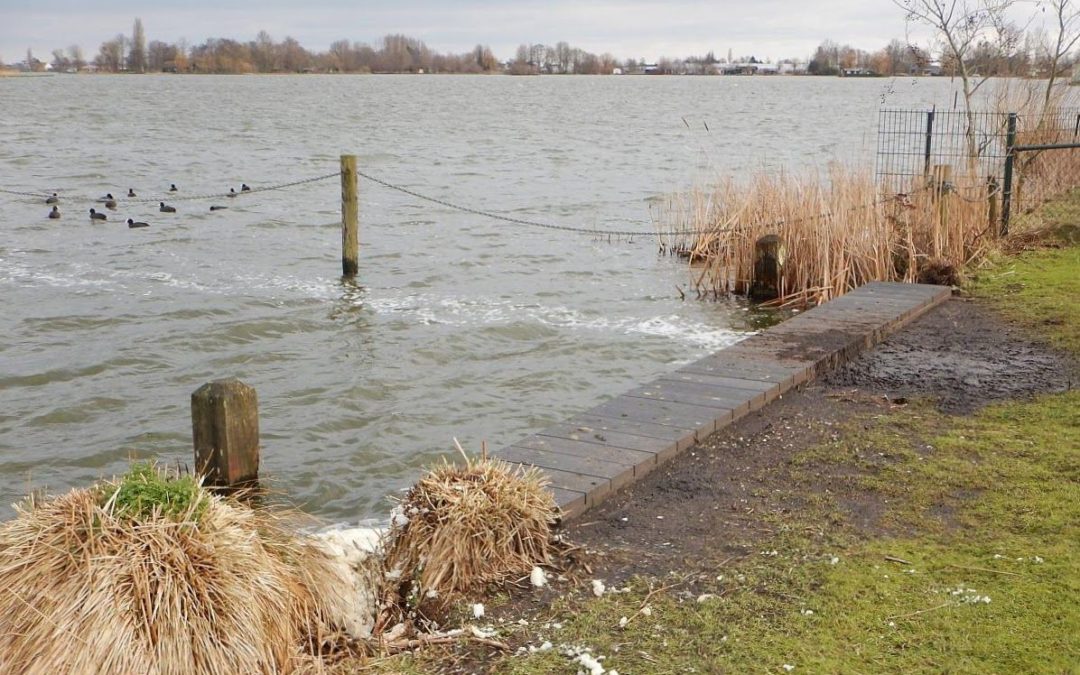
(633, 28)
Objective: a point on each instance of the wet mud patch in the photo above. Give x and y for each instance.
(963, 356)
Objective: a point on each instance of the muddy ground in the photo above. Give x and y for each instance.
(707, 506)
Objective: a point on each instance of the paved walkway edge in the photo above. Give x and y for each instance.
(592, 454)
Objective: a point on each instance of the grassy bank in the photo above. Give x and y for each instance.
(971, 566)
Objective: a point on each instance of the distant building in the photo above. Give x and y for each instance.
(748, 68)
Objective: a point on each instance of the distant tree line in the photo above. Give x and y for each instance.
(1030, 53)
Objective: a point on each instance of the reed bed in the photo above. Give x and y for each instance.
(837, 231)
(153, 574)
(462, 527)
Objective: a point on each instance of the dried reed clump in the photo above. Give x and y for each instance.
(153, 574)
(462, 527)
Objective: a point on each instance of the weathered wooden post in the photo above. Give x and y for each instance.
(991, 192)
(225, 431)
(350, 218)
(768, 266)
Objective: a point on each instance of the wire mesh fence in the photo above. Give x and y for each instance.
(975, 144)
(1011, 162)
(1042, 175)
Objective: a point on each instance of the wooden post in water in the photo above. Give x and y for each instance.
(768, 266)
(350, 218)
(225, 431)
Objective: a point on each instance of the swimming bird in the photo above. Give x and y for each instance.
(172, 188)
(131, 192)
(94, 215)
(218, 208)
(53, 200)
(107, 198)
(232, 193)
(55, 213)
(110, 203)
(132, 223)
(244, 187)
(165, 208)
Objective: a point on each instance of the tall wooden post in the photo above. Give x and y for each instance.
(350, 218)
(768, 268)
(225, 431)
(991, 192)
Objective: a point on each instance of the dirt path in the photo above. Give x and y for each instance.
(716, 501)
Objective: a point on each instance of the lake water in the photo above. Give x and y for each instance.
(457, 326)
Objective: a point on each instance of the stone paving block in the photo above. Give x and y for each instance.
(593, 487)
(604, 453)
(617, 474)
(665, 413)
(569, 501)
(610, 438)
(735, 400)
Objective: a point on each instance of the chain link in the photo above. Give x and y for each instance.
(599, 232)
(173, 197)
(43, 195)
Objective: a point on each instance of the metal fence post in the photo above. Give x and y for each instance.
(929, 140)
(1010, 158)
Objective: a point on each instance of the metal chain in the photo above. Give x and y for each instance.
(25, 194)
(220, 195)
(516, 221)
(182, 198)
(593, 231)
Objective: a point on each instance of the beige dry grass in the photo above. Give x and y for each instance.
(213, 587)
(462, 527)
(837, 231)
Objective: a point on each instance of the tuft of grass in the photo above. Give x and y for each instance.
(147, 492)
(1040, 290)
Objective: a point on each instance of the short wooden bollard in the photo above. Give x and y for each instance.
(350, 218)
(225, 431)
(768, 266)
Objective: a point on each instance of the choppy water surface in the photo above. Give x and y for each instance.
(458, 326)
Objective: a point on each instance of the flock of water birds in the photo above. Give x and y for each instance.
(111, 203)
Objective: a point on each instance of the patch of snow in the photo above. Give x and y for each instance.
(597, 587)
(478, 610)
(788, 667)
(538, 577)
(592, 664)
(623, 621)
(353, 602)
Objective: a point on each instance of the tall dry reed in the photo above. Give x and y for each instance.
(837, 231)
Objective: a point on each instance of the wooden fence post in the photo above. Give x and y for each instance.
(768, 266)
(225, 432)
(350, 218)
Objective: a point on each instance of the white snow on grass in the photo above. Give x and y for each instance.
(538, 577)
(598, 587)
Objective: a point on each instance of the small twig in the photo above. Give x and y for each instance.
(417, 642)
(897, 560)
(649, 596)
(921, 611)
(984, 569)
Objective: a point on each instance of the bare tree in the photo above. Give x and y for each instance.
(1066, 18)
(75, 57)
(137, 54)
(961, 26)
